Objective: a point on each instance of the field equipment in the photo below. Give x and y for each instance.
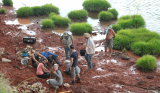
(29, 39)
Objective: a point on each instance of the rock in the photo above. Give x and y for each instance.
(5, 60)
(125, 57)
(149, 77)
(140, 82)
(30, 66)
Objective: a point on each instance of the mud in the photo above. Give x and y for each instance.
(109, 75)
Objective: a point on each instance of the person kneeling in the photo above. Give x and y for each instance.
(58, 75)
(42, 72)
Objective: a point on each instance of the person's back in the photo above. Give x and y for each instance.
(74, 55)
(59, 78)
(39, 69)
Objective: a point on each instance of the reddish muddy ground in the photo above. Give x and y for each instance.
(109, 75)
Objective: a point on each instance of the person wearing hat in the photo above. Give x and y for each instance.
(35, 58)
(67, 40)
(90, 49)
(58, 75)
(47, 54)
(74, 64)
(110, 34)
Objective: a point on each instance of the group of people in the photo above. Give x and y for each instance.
(41, 61)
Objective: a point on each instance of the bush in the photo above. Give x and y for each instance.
(24, 12)
(140, 41)
(147, 62)
(80, 28)
(96, 5)
(2, 11)
(78, 14)
(105, 16)
(37, 10)
(116, 27)
(48, 8)
(124, 50)
(114, 12)
(47, 23)
(134, 21)
(60, 21)
(4, 85)
(7, 2)
(51, 14)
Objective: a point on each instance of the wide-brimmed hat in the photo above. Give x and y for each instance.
(110, 27)
(65, 33)
(66, 61)
(86, 35)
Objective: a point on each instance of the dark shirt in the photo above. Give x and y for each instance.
(74, 55)
(36, 57)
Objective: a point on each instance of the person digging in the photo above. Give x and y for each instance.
(109, 40)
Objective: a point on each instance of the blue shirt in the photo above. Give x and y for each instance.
(47, 54)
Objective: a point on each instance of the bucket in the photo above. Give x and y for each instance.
(82, 52)
(24, 54)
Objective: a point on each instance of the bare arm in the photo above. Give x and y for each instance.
(72, 42)
(45, 70)
(113, 33)
(71, 62)
(34, 59)
(43, 57)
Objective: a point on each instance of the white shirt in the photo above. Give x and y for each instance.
(90, 47)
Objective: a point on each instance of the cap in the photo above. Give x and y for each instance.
(72, 46)
(86, 35)
(65, 33)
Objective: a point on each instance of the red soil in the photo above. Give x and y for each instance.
(115, 77)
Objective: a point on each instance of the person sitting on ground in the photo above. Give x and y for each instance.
(109, 40)
(58, 75)
(67, 40)
(47, 54)
(74, 64)
(35, 58)
(42, 72)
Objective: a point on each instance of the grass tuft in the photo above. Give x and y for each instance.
(78, 14)
(2, 11)
(105, 16)
(8, 2)
(24, 12)
(47, 23)
(114, 12)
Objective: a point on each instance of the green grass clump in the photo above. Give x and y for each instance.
(24, 12)
(124, 50)
(78, 14)
(116, 27)
(80, 28)
(2, 11)
(5, 85)
(51, 14)
(133, 21)
(47, 23)
(48, 8)
(105, 16)
(7, 2)
(147, 62)
(96, 5)
(60, 21)
(114, 12)
(140, 41)
(37, 10)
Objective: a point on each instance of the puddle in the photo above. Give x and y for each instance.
(30, 32)
(131, 70)
(100, 69)
(40, 40)
(18, 21)
(109, 74)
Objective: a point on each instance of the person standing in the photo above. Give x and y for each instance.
(74, 64)
(67, 40)
(109, 40)
(90, 49)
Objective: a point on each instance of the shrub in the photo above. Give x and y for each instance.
(78, 14)
(47, 23)
(4, 85)
(134, 21)
(48, 8)
(7, 2)
(37, 10)
(96, 5)
(60, 21)
(114, 12)
(80, 28)
(105, 16)
(116, 27)
(124, 50)
(24, 12)
(2, 11)
(140, 41)
(51, 14)
(147, 62)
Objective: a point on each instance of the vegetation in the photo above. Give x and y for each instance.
(80, 28)
(47, 23)
(7, 2)
(147, 62)
(140, 41)
(124, 50)
(60, 21)
(78, 14)
(2, 11)
(51, 14)
(37, 10)
(105, 16)
(96, 5)
(24, 12)
(4, 85)
(48, 8)
(116, 27)
(114, 12)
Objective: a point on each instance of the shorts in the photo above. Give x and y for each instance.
(75, 71)
(109, 43)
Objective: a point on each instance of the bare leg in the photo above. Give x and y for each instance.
(105, 51)
(110, 52)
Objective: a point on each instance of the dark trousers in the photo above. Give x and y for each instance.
(51, 58)
(44, 75)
